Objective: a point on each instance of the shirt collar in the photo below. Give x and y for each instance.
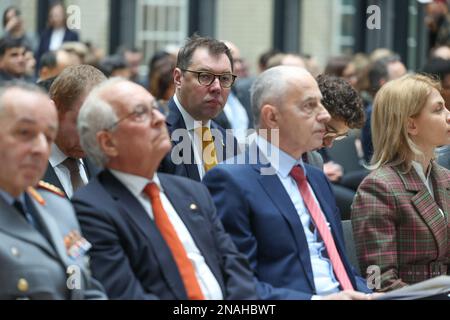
(135, 184)
(419, 169)
(188, 120)
(279, 160)
(10, 199)
(56, 156)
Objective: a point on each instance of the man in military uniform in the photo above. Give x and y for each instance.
(42, 254)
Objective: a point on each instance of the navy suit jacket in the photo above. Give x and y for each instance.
(51, 177)
(226, 147)
(44, 42)
(130, 257)
(264, 224)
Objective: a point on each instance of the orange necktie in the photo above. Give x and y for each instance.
(321, 225)
(169, 234)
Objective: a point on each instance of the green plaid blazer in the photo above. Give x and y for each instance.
(397, 225)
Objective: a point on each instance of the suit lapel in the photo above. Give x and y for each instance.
(427, 207)
(51, 177)
(129, 205)
(12, 223)
(175, 121)
(276, 192)
(91, 169)
(51, 228)
(227, 146)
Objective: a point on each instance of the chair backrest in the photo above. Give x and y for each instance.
(344, 152)
(350, 244)
(444, 156)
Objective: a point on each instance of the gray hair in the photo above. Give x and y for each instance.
(96, 114)
(271, 87)
(19, 85)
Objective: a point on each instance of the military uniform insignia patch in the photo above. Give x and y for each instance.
(76, 245)
(49, 187)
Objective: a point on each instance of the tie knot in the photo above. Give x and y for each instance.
(152, 190)
(204, 133)
(71, 164)
(298, 174)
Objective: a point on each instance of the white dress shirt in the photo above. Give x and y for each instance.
(56, 159)
(237, 116)
(324, 278)
(56, 39)
(206, 279)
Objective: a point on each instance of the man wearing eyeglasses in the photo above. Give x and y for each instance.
(153, 235)
(203, 79)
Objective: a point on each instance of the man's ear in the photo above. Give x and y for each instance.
(269, 116)
(412, 127)
(107, 144)
(177, 74)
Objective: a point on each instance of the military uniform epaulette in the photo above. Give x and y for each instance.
(49, 187)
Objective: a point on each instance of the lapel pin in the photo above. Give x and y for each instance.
(193, 206)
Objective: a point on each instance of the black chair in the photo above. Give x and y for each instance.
(350, 244)
(344, 153)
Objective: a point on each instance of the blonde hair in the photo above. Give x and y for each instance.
(396, 102)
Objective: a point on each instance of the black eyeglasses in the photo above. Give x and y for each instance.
(206, 78)
(140, 113)
(332, 134)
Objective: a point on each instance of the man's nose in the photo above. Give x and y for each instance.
(40, 144)
(323, 115)
(158, 117)
(215, 85)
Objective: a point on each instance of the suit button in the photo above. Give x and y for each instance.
(193, 206)
(22, 285)
(15, 252)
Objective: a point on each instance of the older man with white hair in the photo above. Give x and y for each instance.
(154, 236)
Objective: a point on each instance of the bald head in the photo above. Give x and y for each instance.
(239, 67)
(272, 85)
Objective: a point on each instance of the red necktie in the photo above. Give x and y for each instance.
(321, 225)
(169, 234)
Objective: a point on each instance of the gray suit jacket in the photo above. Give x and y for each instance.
(33, 267)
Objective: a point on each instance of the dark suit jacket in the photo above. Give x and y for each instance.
(51, 177)
(44, 42)
(264, 224)
(398, 227)
(226, 147)
(129, 255)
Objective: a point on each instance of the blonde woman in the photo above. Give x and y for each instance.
(400, 213)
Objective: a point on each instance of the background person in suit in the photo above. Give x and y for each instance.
(236, 115)
(400, 212)
(38, 229)
(68, 167)
(56, 32)
(270, 220)
(203, 79)
(154, 236)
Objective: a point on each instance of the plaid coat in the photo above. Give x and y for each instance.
(397, 225)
